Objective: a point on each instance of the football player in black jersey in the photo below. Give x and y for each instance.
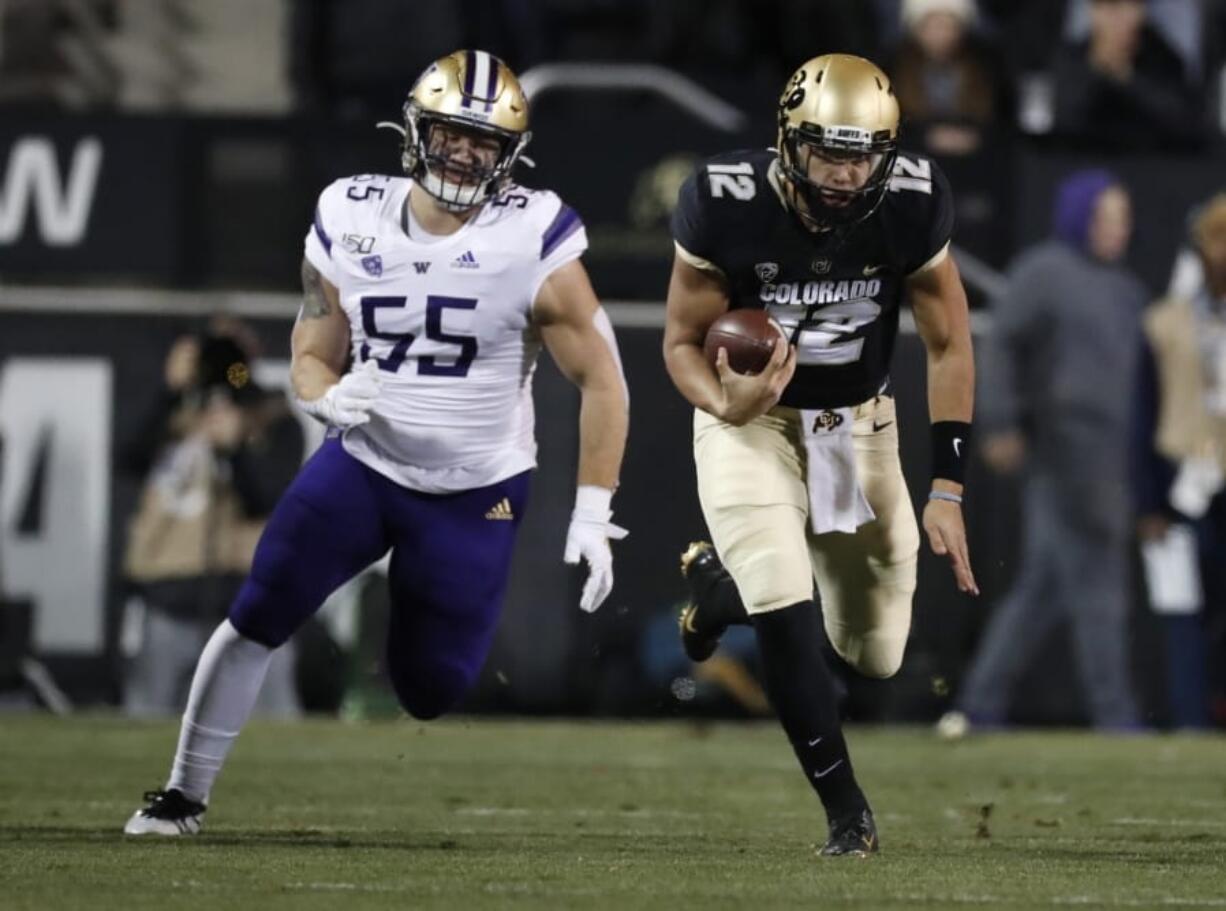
(798, 467)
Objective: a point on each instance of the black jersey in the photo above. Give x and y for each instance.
(837, 297)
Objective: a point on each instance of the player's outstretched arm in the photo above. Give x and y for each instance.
(320, 344)
(938, 301)
(577, 333)
(580, 339)
(696, 299)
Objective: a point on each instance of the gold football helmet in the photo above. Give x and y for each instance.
(837, 107)
(465, 94)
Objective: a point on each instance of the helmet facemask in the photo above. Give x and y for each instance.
(458, 175)
(826, 207)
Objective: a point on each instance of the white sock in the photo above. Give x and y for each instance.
(224, 689)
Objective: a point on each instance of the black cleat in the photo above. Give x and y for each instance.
(700, 632)
(167, 813)
(854, 835)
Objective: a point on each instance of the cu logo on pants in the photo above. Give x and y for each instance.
(827, 420)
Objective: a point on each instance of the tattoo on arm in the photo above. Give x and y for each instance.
(314, 301)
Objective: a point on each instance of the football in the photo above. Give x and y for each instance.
(748, 336)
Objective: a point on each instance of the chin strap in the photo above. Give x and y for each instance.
(447, 204)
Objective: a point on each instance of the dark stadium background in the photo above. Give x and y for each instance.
(195, 209)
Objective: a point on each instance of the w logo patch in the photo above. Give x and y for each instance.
(373, 265)
(422, 268)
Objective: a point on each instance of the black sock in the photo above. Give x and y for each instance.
(803, 693)
(721, 605)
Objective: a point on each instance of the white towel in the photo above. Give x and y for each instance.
(836, 500)
(1172, 571)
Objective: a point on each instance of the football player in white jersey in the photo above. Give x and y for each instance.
(426, 300)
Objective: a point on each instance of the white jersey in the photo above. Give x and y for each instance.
(449, 320)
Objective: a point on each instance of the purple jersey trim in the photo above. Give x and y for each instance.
(564, 224)
(322, 234)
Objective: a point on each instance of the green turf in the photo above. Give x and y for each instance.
(525, 814)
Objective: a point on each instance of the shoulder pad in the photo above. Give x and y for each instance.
(547, 220)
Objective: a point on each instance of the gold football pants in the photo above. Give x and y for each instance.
(754, 494)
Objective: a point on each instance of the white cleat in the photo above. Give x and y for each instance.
(168, 813)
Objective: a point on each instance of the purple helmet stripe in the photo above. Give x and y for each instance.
(470, 74)
(492, 85)
(564, 224)
(322, 234)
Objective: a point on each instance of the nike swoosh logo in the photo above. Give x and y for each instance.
(687, 620)
(814, 743)
(873, 270)
(879, 427)
(957, 446)
(828, 771)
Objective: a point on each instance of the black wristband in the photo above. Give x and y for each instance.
(950, 447)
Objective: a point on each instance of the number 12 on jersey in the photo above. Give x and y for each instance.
(427, 365)
(735, 180)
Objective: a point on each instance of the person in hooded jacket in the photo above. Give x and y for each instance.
(1055, 405)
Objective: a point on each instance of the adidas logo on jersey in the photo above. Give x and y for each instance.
(501, 510)
(465, 261)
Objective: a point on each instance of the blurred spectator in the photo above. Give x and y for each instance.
(1180, 22)
(1182, 443)
(946, 77)
(1055, 399)
(1123, 87)
(219, 452)
(1026, 31)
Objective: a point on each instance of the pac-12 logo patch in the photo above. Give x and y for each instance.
(821, 265)
(373, 265)
(766, 272)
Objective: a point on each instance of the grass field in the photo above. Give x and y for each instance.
(525, 814)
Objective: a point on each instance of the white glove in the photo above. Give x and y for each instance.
(1197, 483)
(348, 403)
(588, 537)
